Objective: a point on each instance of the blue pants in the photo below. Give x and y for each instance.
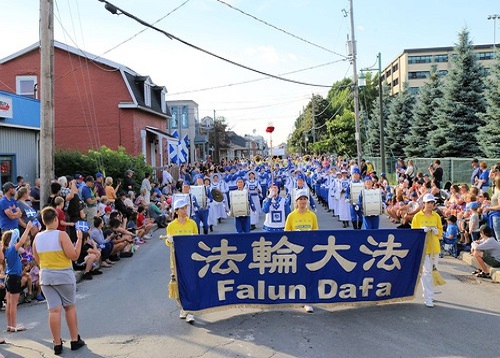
(356, 215)
(371, 222)
(242, 224)
(202, 215)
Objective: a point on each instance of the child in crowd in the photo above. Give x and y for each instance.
(89, 258)
(474, 221)
(26, 281)
(35, 279)
(450, 236)
(107, 213)
(101, 207)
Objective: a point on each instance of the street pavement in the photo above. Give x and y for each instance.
(126, 313)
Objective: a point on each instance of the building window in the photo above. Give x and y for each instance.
(184, 117)
(26, 86)
(441, 58)
(147, 94)
(418, 75)
(442, 73)
(419, 59)
(395, 82)
(414, 90)
(163, 102)
(395, 68)
(174, 122)
(388, 73)
(485, 56)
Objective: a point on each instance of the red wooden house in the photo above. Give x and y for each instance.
(97, 101)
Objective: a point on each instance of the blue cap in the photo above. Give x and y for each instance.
(99, 175)
(356, 171)
(368, 178)
(382, 174)
(301, 176)
(474, 205)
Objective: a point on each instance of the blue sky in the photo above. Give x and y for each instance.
(387, 26)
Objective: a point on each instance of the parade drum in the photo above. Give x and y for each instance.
(199, 192)
(294, 191)
(356, 189)
(372, 202)
(239, 203)
(217, 195)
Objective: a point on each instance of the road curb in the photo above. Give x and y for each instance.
(470, 260)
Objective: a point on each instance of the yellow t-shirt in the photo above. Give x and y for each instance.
(302, 222)
(175, 228)
(421, 220)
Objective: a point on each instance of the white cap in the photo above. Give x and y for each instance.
(300, 193)
(428, 197)
(180, 203)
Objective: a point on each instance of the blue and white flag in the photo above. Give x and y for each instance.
(82, 226)
(297, 268)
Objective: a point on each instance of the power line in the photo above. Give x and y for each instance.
(254, 80)
(280, 29)
(117, 11)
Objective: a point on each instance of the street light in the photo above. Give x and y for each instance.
(361, 84)
(494, 18)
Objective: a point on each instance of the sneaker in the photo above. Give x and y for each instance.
(190, 319)
(126, 254)
(147, 237)
(58, 348)
(40, 298)
(114, 258)
(77, 344)
(87, 276)
(183, 314)
(429, 304)
(96, 272)
(308, 309)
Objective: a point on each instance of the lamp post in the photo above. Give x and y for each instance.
(494, 18)
(362, 83)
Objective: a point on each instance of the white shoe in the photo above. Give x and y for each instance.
(190, 319)
(429, 304)
(147, 237)
(309, 309)
(183, 314)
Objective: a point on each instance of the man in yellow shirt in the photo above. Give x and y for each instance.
(430, 221)
(302, 219)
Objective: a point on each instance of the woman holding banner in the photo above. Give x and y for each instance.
(181, 225)
(430, 221)
(302, 219)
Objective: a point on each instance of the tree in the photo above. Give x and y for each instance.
(458, 118)
(489, 134)
(425, 117)
(398, 123)
(372, 141)
(218, 136)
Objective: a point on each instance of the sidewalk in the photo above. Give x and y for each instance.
(470, 260)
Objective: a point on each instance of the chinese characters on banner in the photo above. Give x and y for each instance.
(322, 267)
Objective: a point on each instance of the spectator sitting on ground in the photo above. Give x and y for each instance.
(157, 214)
(144, 225)
(486, 251)
(118, 224)
(88, 259)
(129, 201)
(105, 243)
(141, 199)
(103, 202)
(120, 205)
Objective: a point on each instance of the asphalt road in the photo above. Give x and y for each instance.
(126, 313)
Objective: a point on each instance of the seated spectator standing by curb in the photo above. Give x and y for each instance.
(90, 200)
(89, 258)
(486, 251)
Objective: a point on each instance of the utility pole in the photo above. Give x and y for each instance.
(382, 124)
(313, 120)
(357, 134)
(216, 141)
(46, 98)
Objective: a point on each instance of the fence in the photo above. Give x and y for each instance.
(455, 170)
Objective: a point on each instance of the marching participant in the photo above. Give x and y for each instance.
(255, 191)
(371, 218)
(344, 206)
(264, 180)
(352, 195)
(192, 203)
(241, 204)
(337, 189)
(219, 208)
(200, 192)
(301, 185)
(302, 219)
(212, 217)
(181, 225)
(429, 220)
(276, 209)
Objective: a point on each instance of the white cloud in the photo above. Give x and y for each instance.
(267, 54)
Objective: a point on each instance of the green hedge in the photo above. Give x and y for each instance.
(106, 161)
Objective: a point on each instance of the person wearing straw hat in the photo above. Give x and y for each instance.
(430, 221)
(181, 225)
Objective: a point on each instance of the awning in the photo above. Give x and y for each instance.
(159, 133)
